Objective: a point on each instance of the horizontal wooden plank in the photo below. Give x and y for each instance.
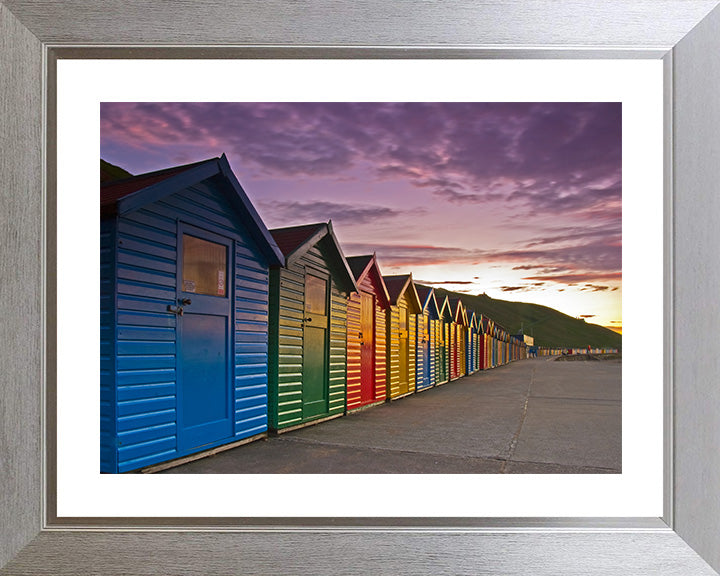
(144, 391)
(137, 407)
(145, 333)
(143, 420)
(148, 261)
(147, 319)
(150, 234)
(146, 434)
(132, 288)
(131, 347)
(250, 380)
(145, 362)
(147, 460)
(152, 218)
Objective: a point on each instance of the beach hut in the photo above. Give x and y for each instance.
(184, 261)
(504, 346)
(471, 342)
(366, 335)
(426, 336)
(308, 327)
(490, 344)
(501, 346)
(494, 348)
(442, 348)
(400, 324)
(519, 349)
(482, 346)
(458, 337)
(478, 335)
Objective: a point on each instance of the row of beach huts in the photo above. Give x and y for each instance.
(215, 330)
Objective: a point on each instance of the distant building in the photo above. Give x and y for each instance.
(529, 340)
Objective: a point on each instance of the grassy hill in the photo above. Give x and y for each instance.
(110, 172)
(549, 327)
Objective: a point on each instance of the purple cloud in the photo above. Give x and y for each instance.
(320, 211)
(544, 156)
(408, 180)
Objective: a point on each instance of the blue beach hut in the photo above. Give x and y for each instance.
(471, 342)
(426, 339)
(184, 260)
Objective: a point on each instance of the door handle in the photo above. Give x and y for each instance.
(308, 319)
(177, 310)
(184, 301)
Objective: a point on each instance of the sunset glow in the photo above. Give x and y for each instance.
(522, 201)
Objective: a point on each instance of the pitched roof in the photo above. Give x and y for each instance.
(366, 266)
(358, 264)
(457, 306)
(111, 192)
(291, 238)
(428, 301)
(471, 317)
(129, 194)
(423, 292)
(395, 285)
(295, 241)
(399, 284)
(445, 310)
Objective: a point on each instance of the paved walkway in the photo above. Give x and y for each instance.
(531, 416)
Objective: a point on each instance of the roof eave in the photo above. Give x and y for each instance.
(346, 280)
(373, 264)
(308, 243)
(351, 285)
(159, 190)
(414, 299)
(431, 302)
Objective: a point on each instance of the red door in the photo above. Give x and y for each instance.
(367, 348)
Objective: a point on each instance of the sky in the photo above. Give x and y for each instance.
(521, 201)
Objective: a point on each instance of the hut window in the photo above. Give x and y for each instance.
(316, 295)
(204, 266)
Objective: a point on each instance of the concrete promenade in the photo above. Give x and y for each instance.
(532, 416)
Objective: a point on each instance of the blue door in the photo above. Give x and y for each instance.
(204, 312)
(468, 348)
(426, 362)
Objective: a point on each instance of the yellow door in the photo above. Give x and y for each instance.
(403, 335)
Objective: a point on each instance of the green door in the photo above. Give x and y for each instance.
(315, 345)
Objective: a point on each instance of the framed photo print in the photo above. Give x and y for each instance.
(281, 115)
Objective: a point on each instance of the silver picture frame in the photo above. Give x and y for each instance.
(684, 34)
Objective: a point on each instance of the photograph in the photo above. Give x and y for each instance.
(387, 288)
(361, 287)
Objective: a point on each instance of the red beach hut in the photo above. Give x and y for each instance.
(366, 334)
